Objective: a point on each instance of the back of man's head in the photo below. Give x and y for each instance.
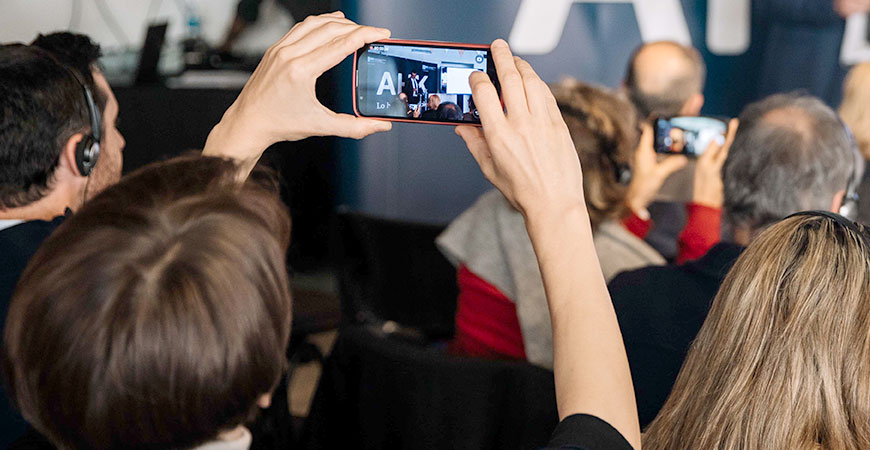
(666, 78)
(791, 153)
(155, 317)
(41, 107)
(449, 111)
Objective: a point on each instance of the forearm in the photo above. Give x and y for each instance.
(590, 364)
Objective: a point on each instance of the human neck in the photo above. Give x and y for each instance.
(742, 236)
(47, 208)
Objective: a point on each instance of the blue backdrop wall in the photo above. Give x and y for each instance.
(424, 172)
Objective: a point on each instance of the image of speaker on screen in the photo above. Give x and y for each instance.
(424, 83)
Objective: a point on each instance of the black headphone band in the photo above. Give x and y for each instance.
(89, 149)
(842, 221)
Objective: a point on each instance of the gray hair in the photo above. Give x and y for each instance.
(791, 153)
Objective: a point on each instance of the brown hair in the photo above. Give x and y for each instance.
(855, 108)
(157, 315)
(783, 359)
(605, 132)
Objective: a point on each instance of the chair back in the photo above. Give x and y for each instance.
(392, 270)
(377, 392)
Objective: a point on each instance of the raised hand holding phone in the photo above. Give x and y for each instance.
(278, 103)
(649, 173)
(528, 154)
(707, 187)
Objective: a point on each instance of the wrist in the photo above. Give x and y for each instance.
(710, 200)
(552, 217)
(232, 138)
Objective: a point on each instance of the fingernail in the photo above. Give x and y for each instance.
(499, 42)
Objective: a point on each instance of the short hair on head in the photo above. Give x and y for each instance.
(78, 52)
(157, 315)
(41, 107)
(669, 99)
(449, 111)
(604, 129)
(791, 153)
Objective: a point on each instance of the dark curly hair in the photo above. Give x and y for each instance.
(41, 107)
(76, 51)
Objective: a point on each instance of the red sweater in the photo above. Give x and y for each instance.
(486, 320)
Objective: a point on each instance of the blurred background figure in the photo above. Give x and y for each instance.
(855, 111)
(666, 79)
(248, 12)
(501, 310)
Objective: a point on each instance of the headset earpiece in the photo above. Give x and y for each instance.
(87, 153)
(88, 150)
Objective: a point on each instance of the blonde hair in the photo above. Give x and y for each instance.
(604, 129)
(783, 359)
(855, 109)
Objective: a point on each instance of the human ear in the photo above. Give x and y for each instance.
(837, 201)
(68, 154)
(693, 105)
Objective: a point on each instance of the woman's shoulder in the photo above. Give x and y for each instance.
(586, 432)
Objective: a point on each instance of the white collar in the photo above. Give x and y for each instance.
(9, 223)
(242, 443)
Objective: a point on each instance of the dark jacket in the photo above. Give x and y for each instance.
(801, 48)
(17, 246)
(660, 311)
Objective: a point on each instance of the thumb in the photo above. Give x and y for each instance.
(647, 138)
(476, 142)
(345, 125)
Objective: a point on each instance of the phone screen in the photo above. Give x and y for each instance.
(417, 82)
(688, 135)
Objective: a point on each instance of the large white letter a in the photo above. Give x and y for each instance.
(540, 23)
(386, 83)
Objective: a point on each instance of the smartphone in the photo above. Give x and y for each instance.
(688, 136)
(419, 81)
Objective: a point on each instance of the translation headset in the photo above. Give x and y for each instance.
(88, 150)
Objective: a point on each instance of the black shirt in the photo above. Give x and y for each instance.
(585, 432)
(660, 311)
(17, 245)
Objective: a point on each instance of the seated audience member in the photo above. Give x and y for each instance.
(432, 107)
(47, 108)
(501, 309)
(855, 111)
(470, 116)
(44, 123)
(448, 111)
(783, 359)
(157, 316)
(790, 154)
(667, 79)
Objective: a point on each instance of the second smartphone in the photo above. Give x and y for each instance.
(419, 81)
(688, 136)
